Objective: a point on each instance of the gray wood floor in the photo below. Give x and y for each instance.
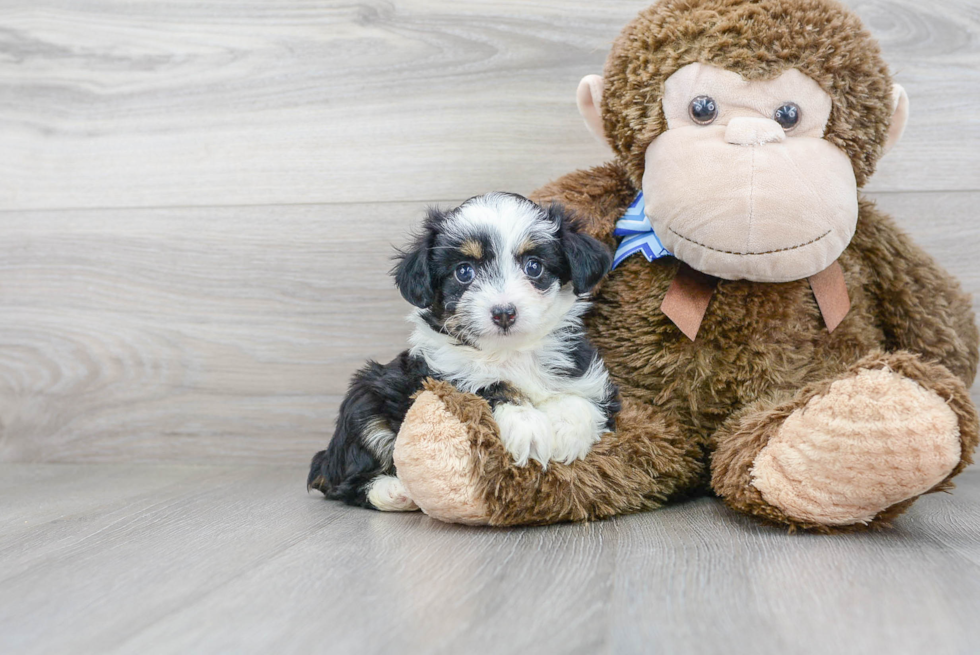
(177, 558)
(197, 205)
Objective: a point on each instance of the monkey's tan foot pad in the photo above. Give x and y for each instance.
(870, 441)
(435, 458)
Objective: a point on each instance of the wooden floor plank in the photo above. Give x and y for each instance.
(950, 519)
(724, 580)
(36, 494)
(106, 103)
(421, 585)
(242, 560)
(62, 506)
(119, 569)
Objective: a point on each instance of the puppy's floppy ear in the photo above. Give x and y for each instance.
(588, 259)
(413, 272)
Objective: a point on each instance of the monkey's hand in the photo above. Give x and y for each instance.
(435, 453)
(456, 468)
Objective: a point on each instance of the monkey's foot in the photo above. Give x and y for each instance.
(872, 440)
(434, 453)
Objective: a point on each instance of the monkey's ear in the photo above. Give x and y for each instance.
(413, 272)
(588, 259)
(900, 117)
(589, 100)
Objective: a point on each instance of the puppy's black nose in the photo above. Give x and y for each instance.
(504, 315)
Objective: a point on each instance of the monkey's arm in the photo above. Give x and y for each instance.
(921, 308)
(457, 470)
(598, 196)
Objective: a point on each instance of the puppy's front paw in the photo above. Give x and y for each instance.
(577, 425)
(525, 432)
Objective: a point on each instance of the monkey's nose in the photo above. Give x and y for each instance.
(753, 131)
(504, 315)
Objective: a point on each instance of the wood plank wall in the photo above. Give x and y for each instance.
(197, 199)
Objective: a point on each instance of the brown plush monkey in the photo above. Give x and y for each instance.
(798, 354)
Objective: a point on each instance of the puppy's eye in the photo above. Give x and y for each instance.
(704, 110)
(788, 116)
(533, 268)
(465, 273)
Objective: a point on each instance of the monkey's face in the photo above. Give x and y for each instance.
(750, 177)
(742, 185)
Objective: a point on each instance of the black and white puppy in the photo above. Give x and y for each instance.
(500, 284)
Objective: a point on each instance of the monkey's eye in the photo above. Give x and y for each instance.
(703, 110)
(465, 273)
(788, 116)
(533, 268)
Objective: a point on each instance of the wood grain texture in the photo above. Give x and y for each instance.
(229, 334)
(203, 334)
(216, 559)
(106, 103)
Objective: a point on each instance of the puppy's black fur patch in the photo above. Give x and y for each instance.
(588, 259)
(377, 394)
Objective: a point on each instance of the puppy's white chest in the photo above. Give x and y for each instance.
(525, 371)
(528, 375)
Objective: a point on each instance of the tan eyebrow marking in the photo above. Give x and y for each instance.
(472, 248)
(527, 245)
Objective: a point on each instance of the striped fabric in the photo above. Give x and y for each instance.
(640, 237)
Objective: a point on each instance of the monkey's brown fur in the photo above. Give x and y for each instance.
(696, 414)
(762, 348)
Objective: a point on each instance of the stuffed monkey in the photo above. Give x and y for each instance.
(777, 340)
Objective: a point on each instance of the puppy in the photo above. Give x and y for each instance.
(500, 287)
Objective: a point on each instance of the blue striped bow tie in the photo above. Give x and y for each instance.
(640, 237)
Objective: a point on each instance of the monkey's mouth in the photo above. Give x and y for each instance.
(746, 254)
